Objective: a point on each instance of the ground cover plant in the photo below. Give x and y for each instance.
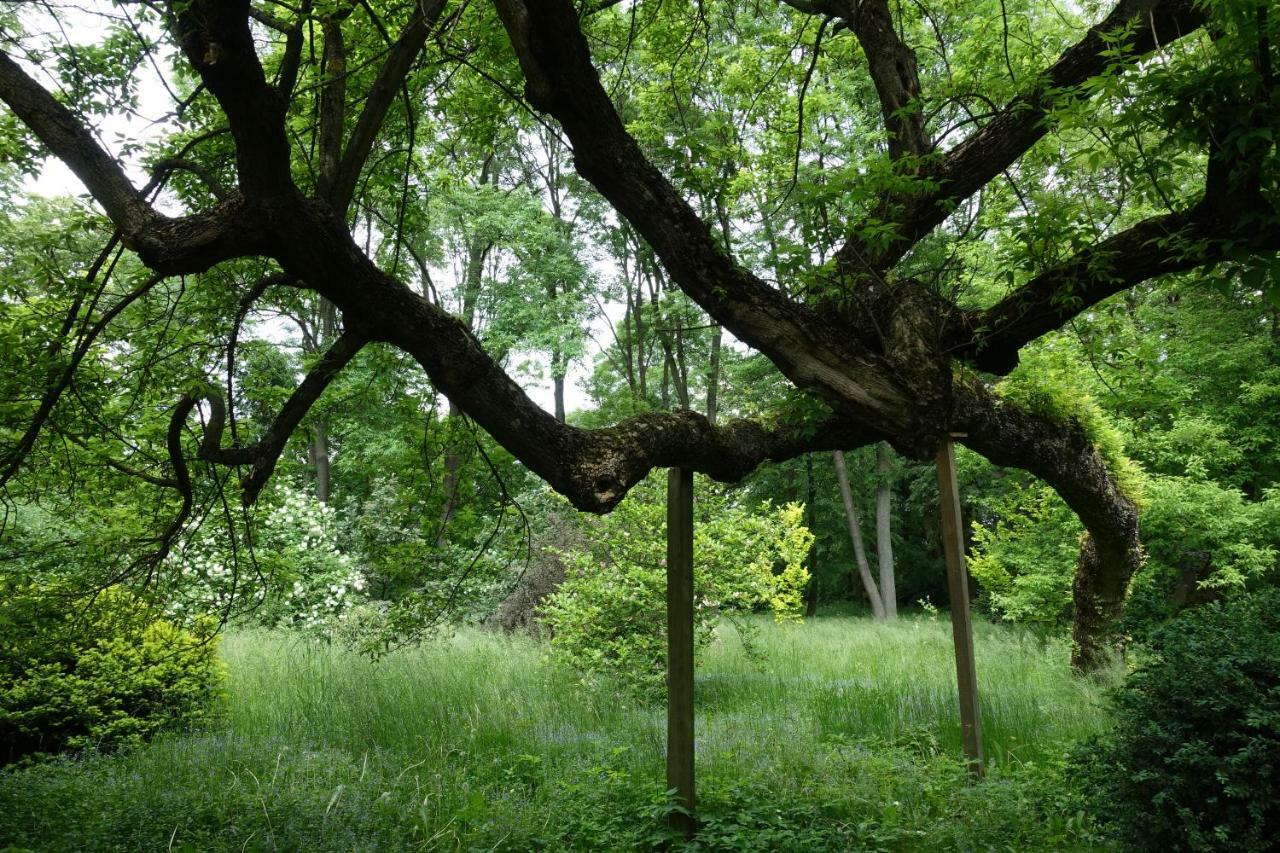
(841, 735)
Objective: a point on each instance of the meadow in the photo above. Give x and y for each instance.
(838, 734)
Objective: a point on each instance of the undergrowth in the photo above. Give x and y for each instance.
(844, 738)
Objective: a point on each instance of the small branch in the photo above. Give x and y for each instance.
(169, 165)
(13, 460)
(394, 72)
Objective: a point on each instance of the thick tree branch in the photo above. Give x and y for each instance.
(1063, 455)
(292, 56)
(593, 468)
(806, 346)
(893, 71)
(333, 105)
(826, 8)
(217, 42)
(171, 246)
(72, 143)
(1143, 26)
(1175, 242)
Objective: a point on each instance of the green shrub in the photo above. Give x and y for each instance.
(609, 615)
(99, 671)
(1194, 760)
(1025, 559)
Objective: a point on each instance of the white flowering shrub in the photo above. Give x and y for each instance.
(288, 571)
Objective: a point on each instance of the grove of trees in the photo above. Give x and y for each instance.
(805, 226)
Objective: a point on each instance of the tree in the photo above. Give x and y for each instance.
(881, 332)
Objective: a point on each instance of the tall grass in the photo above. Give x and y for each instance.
(838, 734)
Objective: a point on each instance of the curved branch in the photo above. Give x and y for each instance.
(263, 455)
(1064, 457)
(169, 165)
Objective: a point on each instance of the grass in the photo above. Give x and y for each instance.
(843, 735)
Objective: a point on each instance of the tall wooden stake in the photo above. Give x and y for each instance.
(680, 646)
(961, 625)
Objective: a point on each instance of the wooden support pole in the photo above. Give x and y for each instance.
(680, 646)
(961, 624)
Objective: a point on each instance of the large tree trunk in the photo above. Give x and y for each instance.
(855, 534)
(884, 534)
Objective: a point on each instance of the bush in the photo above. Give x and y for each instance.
(1194, 760)
(1025, 559)
(609, 615)
(100, 671)
(301, 578)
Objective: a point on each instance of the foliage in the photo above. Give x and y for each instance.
(1194, 760)
(291, 572)
(1025, 560)
(96, 672)
(609, 615)
(1204, 541)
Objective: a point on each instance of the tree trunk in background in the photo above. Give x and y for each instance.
(452, 475)
(319, 450)
(557, 367)
(713, 375)
(558, 381)
(473, 279)
(855, 534)
(682, 371)
(322, 461)
(884, 534)
(811, 521)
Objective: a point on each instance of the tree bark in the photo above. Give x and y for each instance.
(884, 534)
(855, 535)
(1063, 456)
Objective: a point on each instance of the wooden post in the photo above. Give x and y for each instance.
(961, 625)
(680, 646)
